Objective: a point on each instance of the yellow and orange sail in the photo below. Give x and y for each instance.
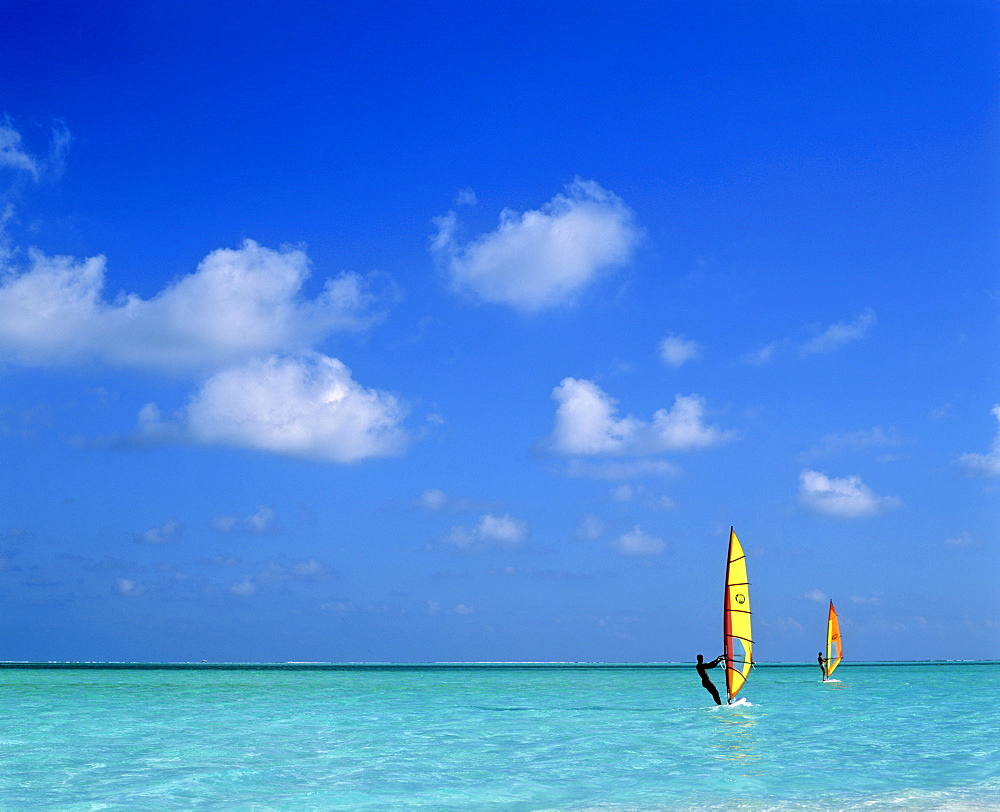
(834, 651)
(737, 637)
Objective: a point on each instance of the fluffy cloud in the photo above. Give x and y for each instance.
(541, 258)
(491, 532)
(239, 304)
(846, 498)
(303, 407)
(840, 333)
(676, 351)
(984, 465)
(586, 424)
(637, 542)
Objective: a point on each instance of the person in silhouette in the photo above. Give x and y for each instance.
(822, 664)
(703, 667)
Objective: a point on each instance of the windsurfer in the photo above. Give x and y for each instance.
(822, 664)
(703, 667)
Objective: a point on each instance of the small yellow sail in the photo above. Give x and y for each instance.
(834, 652)
(737, 639)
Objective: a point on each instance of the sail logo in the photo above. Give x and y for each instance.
(740, 597)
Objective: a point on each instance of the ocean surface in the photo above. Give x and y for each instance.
(922, 736)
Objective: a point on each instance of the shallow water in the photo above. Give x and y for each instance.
(907, 737)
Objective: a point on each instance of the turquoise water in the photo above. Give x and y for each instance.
(901, 737)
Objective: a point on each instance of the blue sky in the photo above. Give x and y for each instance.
(420, 332)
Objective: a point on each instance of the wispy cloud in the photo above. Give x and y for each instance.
(845, 498)
(827, 340)
(436, 608)
(587, 424)
(590, 528)
(16, 157)
(817, 595)
(855, 441)
(129, 587)
(621, 470)
(490, 532)
(984, 465)
(163, 534)
(629, 492)
(308, 571)
(675, 351)
(435, 500)
(637, 542)
(840, 333)
(301, 407)
(540, 258)
(13, 155)
(262, 520)
(764, 355)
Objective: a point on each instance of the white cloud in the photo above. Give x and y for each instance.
(628, 492)
(984, 465)
(963, 539)
(637, 542)
(303, 407)
(263, 520)
(762, 356)
(491, 532)
(817, 595)
(128, 587)
(683, 426)
(622, 493)
(846, 498)
(855, 441)
(616, 470)
(541, 258)
(244, 587)
(586, 424)
(590, 527)
(239, 304)
(226, 523)
(840, 333)
(164, 534)
(12, 155)
(466, 197)
(432, 499)
(676, 351)
(309, 571)
(866, 601)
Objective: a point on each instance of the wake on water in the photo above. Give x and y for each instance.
(742, 702)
